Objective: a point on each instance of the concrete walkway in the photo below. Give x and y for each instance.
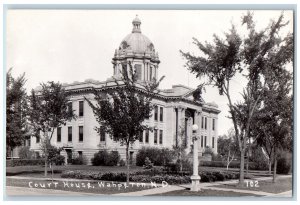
(26, 191)
(146, 192)
(159, 190)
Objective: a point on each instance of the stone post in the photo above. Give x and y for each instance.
(195, 177)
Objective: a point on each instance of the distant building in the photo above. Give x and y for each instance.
(176, 109)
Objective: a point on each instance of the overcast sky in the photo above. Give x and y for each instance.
(74, 45)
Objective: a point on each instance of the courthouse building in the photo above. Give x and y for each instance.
(175, 111)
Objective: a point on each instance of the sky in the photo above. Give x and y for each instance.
(75, 45)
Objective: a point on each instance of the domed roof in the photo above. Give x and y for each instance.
(136, 42)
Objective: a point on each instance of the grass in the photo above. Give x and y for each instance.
(281, 185)
(204, 192)
(38, 171)
(97, 187)
(255, 173)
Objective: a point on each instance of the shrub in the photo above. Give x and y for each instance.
(112, 159)
(103, 158)
(59, 160)
(25, 153)
(78, 160)
(122, 163)
(183, 166)
(258, 159)
(146, 177)
(157, 156)
(113, 176)
(99, 158)
(24, 162)
(216, 157)
(208, 150)
(148, 164)
(284, 163)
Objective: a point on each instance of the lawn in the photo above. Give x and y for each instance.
(204, 192)
(281, 185)
(38, 171)
(255, 173)
(96, 187)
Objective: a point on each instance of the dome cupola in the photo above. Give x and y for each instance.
(139, 50)
(136, 25)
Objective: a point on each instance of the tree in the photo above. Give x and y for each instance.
(227, 147)
(274, 122)
(226, 58)
(16, 108)
(48, 111)
(121, 109)
(52, 153)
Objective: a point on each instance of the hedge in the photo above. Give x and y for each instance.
(145, 177)
(284, 163)
(158, 156)
(104, 158)
(24, 162)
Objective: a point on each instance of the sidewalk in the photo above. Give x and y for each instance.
(159, 190)
(26, 191)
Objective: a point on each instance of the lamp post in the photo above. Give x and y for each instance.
(195, 177)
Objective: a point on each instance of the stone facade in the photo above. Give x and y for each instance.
(177, 110)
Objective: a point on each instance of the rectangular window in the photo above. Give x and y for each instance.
(161, 114)
(141, 136)
(205, 141)
(213, 142)
(80, 108)
(102, 134)
(213, 124)
(37, 139)
(160, 136)
(138, 71)
(156, 113)
(70, 107)
(69, 134)
(202, 122)
(206, 123)
(155, 136)
(147, 136)
(80, 133)
(59, 134)
(201, 141)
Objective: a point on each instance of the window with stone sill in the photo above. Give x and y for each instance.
(156, 113)
(81, 108)
(155, 136)
(147, 136)
(69, 134)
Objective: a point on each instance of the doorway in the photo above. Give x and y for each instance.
(69, 156)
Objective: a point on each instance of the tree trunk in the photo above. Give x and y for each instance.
(270, 166)
(46, 163)
(52, 171)
(46, 157)
(242, 164)
(275, 166)
(127, 162)
(247, 166)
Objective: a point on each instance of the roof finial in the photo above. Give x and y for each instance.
(136, 25)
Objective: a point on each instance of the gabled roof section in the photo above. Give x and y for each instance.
(181, 91)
